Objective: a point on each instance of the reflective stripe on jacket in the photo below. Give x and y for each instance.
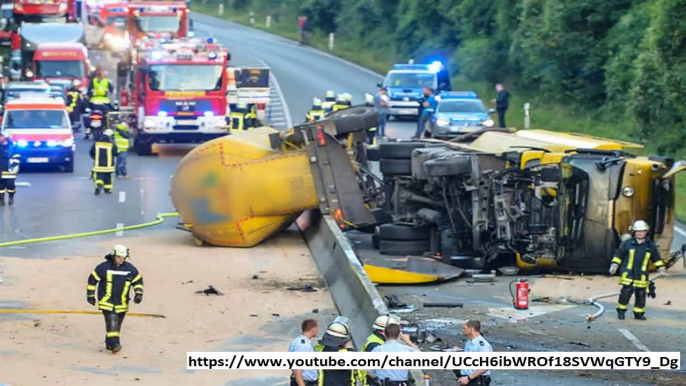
(114, 284)
(634, 259)
(315, 115)
(121, 141)
(103, 154)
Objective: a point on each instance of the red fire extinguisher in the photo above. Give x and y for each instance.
(124, 98)
(520, 297)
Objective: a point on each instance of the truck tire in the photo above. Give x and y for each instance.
(143, 148)
(354, 118)
(403, 232)
(396, 167)
(399, 150)
(404, 248)
(69, 166)
(373, 154)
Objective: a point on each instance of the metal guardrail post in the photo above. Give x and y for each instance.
(331, 38)
(268, 22)
(527, 115)
(221, 9)
(252, 17)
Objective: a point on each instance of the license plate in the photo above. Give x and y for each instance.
(38, 160)
(408, 111)
(186, 122)
(96, 123)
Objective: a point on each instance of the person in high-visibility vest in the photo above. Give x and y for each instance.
(103, 153)
(74, 104)
(237, 118)
(371, 132)
(343, 101)
(99, 89)
(329, 101)
(251, 116)
(9, 167)
(337, 338)
(122, 133)
(316, 113)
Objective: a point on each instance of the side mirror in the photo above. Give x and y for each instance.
(491, 111)
(379, 84)
(443, 86)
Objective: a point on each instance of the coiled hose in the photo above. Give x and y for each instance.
(601, 308)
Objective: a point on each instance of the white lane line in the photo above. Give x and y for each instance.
(627, 334)
(120, 233)
(680, 230)
(23, 184)
(282, 99)
(142, 203)
(122, 197)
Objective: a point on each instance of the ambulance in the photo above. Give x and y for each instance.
(40, 129)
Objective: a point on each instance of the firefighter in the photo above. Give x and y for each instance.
(316, 113)
(329, 101)
(343, 101)
(632, 259)
(337, 338)
(9, 167)
(371, 132)
(74, 104)
(103, 153)
(377, 338)
(237, 118)
(114, 278)
(251, 116)
(122, 133)
(99, 89)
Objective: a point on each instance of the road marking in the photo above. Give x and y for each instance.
(627, 334)
(512, 314)
(120, 233)
(122, 197)
(680, 230)
(24, 184)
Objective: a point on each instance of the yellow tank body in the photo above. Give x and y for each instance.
(236, 191)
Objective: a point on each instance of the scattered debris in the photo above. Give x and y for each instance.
(1, 279)
(431, 338)
(394, 302)
(509, 271)
(669, 302)
(37, 323)
(445, 348)
(276, 315)
(580, 344)
(484, 277)
(404, 310)
(254, 316)
(557, 277)
(187, 282)
(306, 288)
(209, 291)
(255, 277)
(444, 305)
(315, 311)
(544, 299)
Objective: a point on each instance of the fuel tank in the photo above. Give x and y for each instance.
(236, 191)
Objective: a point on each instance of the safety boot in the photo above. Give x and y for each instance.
(640, 316)
(621, 314)
(97, 190)
(108, 190)
(117, 347)
(11, 200)
(2, 199)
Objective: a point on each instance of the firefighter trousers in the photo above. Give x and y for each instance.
(639, 300)
(7, 185)
(103, 180)
(113, 322)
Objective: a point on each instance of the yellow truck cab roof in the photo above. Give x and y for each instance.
(499, 142)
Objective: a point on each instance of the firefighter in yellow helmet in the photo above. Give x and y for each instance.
(238, 117)
(9, 167)
(122, 133)
(74, 103)
(103, 152)
(317, 112)
(343, 101)
(113, 279)
(371, 132)
(329, 101)
(632, 259)
(337, 338)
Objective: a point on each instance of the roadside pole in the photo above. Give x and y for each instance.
(527, 115)
(268, 22)
(331, 37)
(221, 9)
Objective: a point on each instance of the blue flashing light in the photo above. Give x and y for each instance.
(209, 114)
(458, 94)
(420, 67)
(174, 9)
(212, 55)
(162, 114)
(163, 40)
(22, 143)
(435, 66)
(52, 143)
(141, 9)
(210, 40)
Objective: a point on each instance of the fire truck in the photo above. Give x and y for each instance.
(41, 10)
(178, 92)
(114, 20)
(157, 19)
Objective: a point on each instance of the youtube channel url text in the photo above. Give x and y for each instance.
(422, 360)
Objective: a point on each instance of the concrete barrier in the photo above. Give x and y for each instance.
(354, 295)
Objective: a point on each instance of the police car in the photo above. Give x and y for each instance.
(405, 83)
(40, 130)
(457, 112)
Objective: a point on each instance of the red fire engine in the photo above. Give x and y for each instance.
(157, 19)
(114, 18)
(39, 10)
(179, 92)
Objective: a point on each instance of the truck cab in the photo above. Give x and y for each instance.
(157, 19)
(179, 93)
(61, 62)
(40, 10)
(7, 24)
(114, 20)
(405, 83)
(40, 129)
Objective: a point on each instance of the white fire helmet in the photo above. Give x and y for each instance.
(640, 225)
(330, 94)
(382, 321)
(369, 99)
(120, 250)
(317, 102)
(76, 83)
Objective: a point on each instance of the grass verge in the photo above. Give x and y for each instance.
(545, 115)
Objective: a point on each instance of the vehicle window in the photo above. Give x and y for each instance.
(410, 79)
(60, 69)
(158, 23)
(35, 119)
(16, 91)
(117, 21)
(461, 106)
(185, 77)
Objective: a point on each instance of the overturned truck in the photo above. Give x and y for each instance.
(534, 198)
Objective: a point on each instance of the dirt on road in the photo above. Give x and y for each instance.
(255, 312)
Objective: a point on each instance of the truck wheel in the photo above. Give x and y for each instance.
(403, 232)
(375, 241)
(143, 147)
(69, 166)
(373, 154)
(354, 119)
(399, 150)
(396, 167)
(404, 248)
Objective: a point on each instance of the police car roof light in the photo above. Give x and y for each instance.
(458, 94)
(435, 66)
(422, 67)
(210, 40)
